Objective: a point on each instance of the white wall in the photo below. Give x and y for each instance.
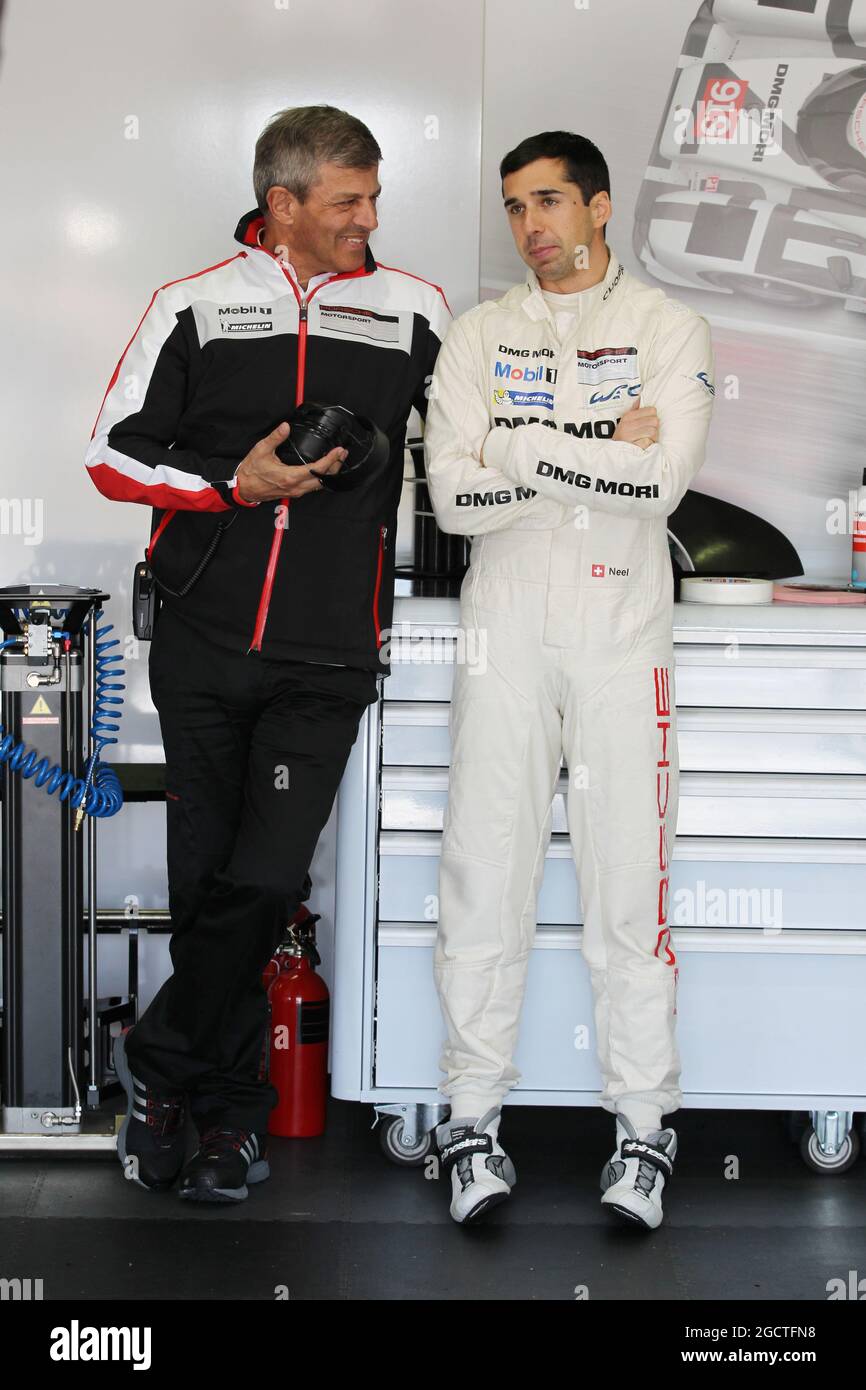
(95, 220)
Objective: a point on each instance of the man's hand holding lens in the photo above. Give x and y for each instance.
(263, 478)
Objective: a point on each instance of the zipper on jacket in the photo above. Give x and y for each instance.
(270, 572)
(383, 531)
(302, 347)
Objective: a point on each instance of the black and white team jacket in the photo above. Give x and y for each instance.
(218, 360)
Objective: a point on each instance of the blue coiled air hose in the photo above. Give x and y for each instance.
(99, 792)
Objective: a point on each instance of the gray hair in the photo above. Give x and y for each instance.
(296, 141)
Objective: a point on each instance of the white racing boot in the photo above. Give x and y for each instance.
(482, 1174)
(632, 1181)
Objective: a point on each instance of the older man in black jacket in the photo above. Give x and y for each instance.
(275, 590)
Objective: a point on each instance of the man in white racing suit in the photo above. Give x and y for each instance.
(566, 421)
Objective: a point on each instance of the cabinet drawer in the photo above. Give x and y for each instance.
(420, 671)
(771, 884)
(766, 804)
(756, 1015)
(415, 734)
(772, 740)
(778, 677)
(740, 675)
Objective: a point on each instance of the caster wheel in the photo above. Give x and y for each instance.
(390, 1140)
(829, 1164)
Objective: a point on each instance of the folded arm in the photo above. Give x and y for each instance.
(609, 475)
(469, 498)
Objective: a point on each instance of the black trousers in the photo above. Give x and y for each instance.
(254, 752)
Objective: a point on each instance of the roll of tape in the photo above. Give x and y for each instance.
(817, 593)
(695, 588)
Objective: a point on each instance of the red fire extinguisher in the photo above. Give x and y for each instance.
(298, 1033)
(304, 922)
(270, 972)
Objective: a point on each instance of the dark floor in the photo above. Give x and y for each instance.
(337, 1220)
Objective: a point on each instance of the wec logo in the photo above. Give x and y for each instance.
(616, 394)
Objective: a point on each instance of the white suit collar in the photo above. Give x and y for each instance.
(535, 305)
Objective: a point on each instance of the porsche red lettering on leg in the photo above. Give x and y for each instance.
(661, 676)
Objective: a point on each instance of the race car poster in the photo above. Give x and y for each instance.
(735, 135)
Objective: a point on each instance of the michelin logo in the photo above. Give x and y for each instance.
(531, 398)
(245, 326)
(230, 324)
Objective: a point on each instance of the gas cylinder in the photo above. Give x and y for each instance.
(299, 1024)
(305, 922)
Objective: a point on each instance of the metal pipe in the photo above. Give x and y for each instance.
(115, 919)
(93, 1085)
(71, 1066)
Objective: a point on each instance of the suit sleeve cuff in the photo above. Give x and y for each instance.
(497, 447)
(234, 496)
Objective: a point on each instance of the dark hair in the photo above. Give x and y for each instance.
(584, 162)
(296, 141)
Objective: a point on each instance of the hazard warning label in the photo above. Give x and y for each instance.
(40, 713)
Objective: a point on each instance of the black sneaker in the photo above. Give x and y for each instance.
(151, 1142)
(225, 1161)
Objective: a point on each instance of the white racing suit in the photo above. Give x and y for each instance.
(568, 611)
